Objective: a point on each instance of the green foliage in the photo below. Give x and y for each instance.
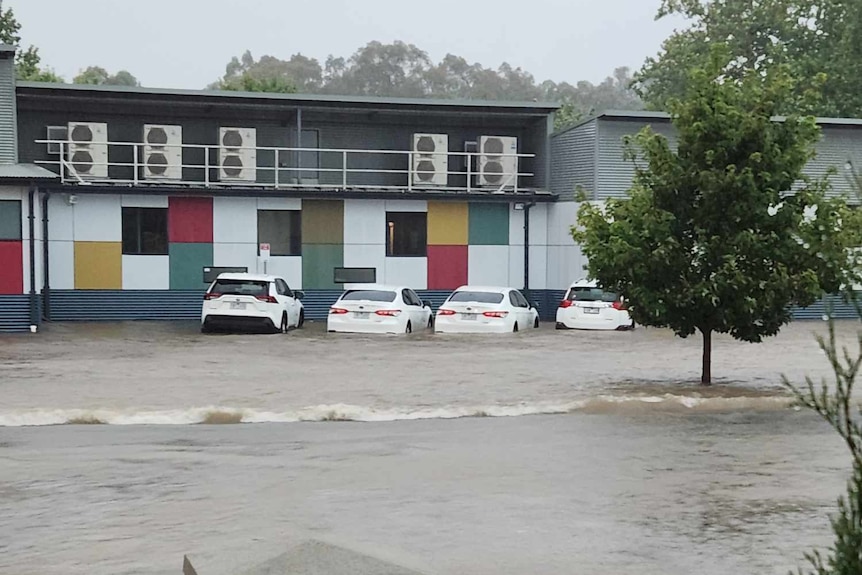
(710, 240)
(835, 405)
(818, 42)
(27, 62)
(96, 75)
(404, 70)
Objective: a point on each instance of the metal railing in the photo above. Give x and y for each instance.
(285, 167)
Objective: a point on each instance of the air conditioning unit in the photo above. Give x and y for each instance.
(88, 149)
(496, 168)
(237, 154)
(430, 160)
(163, 152)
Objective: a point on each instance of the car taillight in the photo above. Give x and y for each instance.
(212, 295)
(388, 312)
(266, 298)
(495, 313)
(445, 312)
(337, 311)
(566, 303)
(619, 305)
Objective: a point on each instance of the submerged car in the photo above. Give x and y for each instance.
(251, 301)
(379, 309)
(588, 306)
(478, 309)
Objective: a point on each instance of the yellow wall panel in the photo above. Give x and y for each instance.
(447, 223)
(98, 265)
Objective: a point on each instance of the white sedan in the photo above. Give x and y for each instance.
(379, 309)
(475, 309)
(241, 300)
(587, 306)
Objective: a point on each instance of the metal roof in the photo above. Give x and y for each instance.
(25, 172)
(647, 115)
(546, 107)
(7, 48)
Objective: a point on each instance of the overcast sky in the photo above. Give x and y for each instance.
(186, 43)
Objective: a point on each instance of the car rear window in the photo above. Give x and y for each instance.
(369, 295)
(591, 294)
(240, 287)
(477, 296)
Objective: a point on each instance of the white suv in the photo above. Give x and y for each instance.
(244, 301)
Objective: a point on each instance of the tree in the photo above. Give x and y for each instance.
(96, 75)
(710, 240)
(269, 74)
(809, 38)
(27, 62)
(836, 406)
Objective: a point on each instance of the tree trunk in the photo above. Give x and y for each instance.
(706, 368)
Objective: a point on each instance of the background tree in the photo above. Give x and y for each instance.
(97, 75)
(709, 240)
(400, 69)
(809, 38)
(27, 62)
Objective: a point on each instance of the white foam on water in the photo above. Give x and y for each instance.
(638, 404)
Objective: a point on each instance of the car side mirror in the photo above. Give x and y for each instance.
(533, 305)
(426, 303)
(298, 294)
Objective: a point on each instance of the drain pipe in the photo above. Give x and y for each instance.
(34, 309)
(46, 285)
(527, 206)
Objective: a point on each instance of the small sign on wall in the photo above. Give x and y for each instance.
(264, 252)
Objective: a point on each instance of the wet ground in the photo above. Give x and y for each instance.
(640, 471)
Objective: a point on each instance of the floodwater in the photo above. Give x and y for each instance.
(612, 460)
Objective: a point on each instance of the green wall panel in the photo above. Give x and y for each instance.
(322, 221)
(489, 224)
(187, 262)
(318, 263)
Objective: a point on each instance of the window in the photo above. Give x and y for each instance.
(591, 294)
(369, 295)
(477, 296)
(10, 220)
(517, 300)
(145, 231)
(240, 287)
(406, 234)
(410, 298)
(282, 230)
(282, 288)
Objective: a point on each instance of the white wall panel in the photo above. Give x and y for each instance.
(366, 256)
(288, 267)
(237, 255)
(565, 265)
(538, 267)
(61, 219)
(488, 265)
(98, 219)
(516, 227)
(406, 206)
(516, 266)
(144, 201)
(538, 225)
(279, 204)
(364, 222)
(561, 217)
(61, 264)
(25, 246)
(411, 272)
(146, 272)
(235, 220)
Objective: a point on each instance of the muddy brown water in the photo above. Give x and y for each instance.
(624, 464)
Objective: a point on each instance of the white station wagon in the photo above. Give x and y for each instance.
(379, 309)
(251, 301)
(479, 309)
(587, 306)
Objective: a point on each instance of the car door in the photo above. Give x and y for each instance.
(281, 297)
(422, 313)
(291, 304)
(522, 309)
(413, 311)
(528, 310)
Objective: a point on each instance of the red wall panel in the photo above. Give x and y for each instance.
(190, 220)
(447, 267)
(11, 267)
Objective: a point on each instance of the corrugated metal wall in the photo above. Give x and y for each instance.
(573, 160)
(8, 115)
(615, 175)
(14, 313)
(837, 146)
(840, 309)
